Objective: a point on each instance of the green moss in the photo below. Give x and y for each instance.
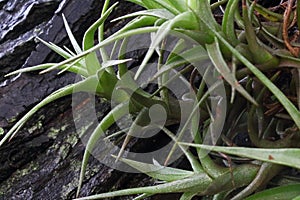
(1, 131)
(11, 120)
(81, 130)
(72, 185)
(37, 126)
(53, 132)
(72, 139)
(6, 185)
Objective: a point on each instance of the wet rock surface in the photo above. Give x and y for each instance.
(18, 17)
(20, 49)
(21, 22)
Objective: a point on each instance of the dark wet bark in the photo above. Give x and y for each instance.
(19, 48)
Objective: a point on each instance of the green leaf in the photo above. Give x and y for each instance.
(103, 52)
(158, 172)
(195, 164)
(158, 13)
(268, 14)
(89, 36)
(163, 31)
(179, 5)
(56, 48)
(142, 196)
(259, 53)
(58, 66)
(287, 104)
(297, 198)
(278, 193)
(287, 59)
(233, 178)
(216, 56)
(154, 4)
(56, 95)
(192, 117)
(70, 67)
(110, 63)
(196, 183)
(228, 21)
(86, 85)
(138, 2)
(111, 39)
(188, 195)
(206, 16)
(71, 37)
(284, 156)
(92, 63)
(179, 47)
(115, 114)
(65, 54)
(193, 55)
(151, 4)
(138, 22)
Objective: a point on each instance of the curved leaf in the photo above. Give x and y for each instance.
(163, 31)
(56, 95)
(287, 104)
(289, 157)
(157, 171)
(196, 183)
(71, 36)
(217, 59)
(279, 193)
(159, 13)
(115, 114)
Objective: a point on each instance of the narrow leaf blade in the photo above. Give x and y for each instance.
(285, 156)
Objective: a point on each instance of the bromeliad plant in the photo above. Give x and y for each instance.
(250, 49)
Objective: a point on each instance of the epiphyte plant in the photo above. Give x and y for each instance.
(249, 49)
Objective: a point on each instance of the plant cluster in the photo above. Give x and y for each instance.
(252, 52)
